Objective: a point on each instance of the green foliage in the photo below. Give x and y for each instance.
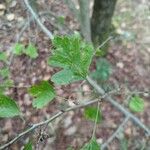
(73, 55)
(65, 76)
(31, 51)
(3, 56)
(91, 145)
(18, 49)
(28, 146)
(4, 72)
(103, 70)
(93, 114)
(43, 93)
(8, 107)
(136, 104)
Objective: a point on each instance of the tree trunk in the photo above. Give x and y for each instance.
(101, 20)
(85, 19)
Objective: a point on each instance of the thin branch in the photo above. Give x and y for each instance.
(56, 115)
(118, 106)
(115, 133)
(95, 124)
(35, 16)
(100, 46)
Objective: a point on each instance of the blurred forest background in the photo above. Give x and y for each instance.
(124, 58)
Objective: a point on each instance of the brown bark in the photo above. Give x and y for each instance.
(85, 19)
(101, 20)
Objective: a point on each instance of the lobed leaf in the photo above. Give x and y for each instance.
(65, 76)
(43, 93)
(31, 51)
(71, 53)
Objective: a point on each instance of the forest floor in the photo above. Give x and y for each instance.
(129, 55)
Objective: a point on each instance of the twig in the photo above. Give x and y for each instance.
(95, 124)
(56, 115)
(100, 46)
(35, 16)
(118, 106)
(115, 133)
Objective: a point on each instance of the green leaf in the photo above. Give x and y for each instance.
(91, 113)
(43, 93)
(72, 53)
(31, 51)
(8, 107)
(28, 146)
(18, 49)
(5, 72)
(65, 76)
(3, 56)
(91, 145)
(103, 70)
(136, 104)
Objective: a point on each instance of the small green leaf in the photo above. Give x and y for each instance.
(65, 76)
(3, 56)
(136, 104)
(103, 70)
(91, 113)
(8, 107)
(28, 146)
(43, 93)
(91, 145)
(18, 49)
(4, 72)
(31, 51)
